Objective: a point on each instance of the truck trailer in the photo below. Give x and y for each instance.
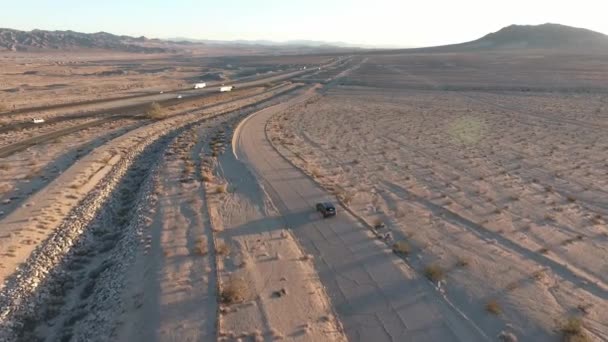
(226, 88)
(200, 85)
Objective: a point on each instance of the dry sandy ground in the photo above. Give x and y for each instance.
(501, 196)
(40, 79)
(172, 284)
(36, 80)
(52, 203)
(24, 173)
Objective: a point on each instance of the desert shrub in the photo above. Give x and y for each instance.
(222, 188)
(235, 290)
(200, 247)
(206, 177)
(222, 248)
(434, 272)
(463, 262)
(572, 330)
(493, 307)
(401, 247)
(377, 222)
(155, 112)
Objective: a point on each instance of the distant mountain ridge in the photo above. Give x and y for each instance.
(40, 40)
(514, 37)
(271, 43)
(15, 40)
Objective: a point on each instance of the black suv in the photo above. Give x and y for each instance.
(326, 209)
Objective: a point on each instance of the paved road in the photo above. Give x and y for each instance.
(375, 294)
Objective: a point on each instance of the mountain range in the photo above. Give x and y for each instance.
(35, 40)
(514, 37)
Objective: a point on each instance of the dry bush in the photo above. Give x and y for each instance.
(235, 290)
(377, 222)
(155, 112)
(434, 272)
(401, 247)
(206, 177)
(200, 247)
(222, 188)
(572, 330)
(222, 248)
(5, 167)
(307, 257)
(347, 198)
(34, 173)
(463, 262)
(493, 307)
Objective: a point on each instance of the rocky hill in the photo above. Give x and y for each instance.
(36, 40)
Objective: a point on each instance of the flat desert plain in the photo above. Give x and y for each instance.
(487, 173)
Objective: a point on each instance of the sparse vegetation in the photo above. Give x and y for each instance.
(206, 177)
(222, 248)
(222, 188)
(493, 307)
(200, 247)
(235, 290)
(434, 272)
(401, 247)
(538, 275)
(155, 112)
(463, 262)
(377, 223)
(572, 330)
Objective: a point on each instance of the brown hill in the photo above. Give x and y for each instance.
(546, 36)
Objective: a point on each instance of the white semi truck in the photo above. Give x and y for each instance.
(200, 85)
(226, 88)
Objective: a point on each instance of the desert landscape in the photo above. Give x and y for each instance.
(470, 183)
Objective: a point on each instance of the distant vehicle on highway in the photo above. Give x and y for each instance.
(200, 85)
(162, 92)
(37, 121)
(179, 96)
(226, 88)
(326, 209)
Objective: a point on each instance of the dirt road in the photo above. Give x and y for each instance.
(374, 293)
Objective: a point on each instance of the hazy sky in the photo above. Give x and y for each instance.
(378, 22)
